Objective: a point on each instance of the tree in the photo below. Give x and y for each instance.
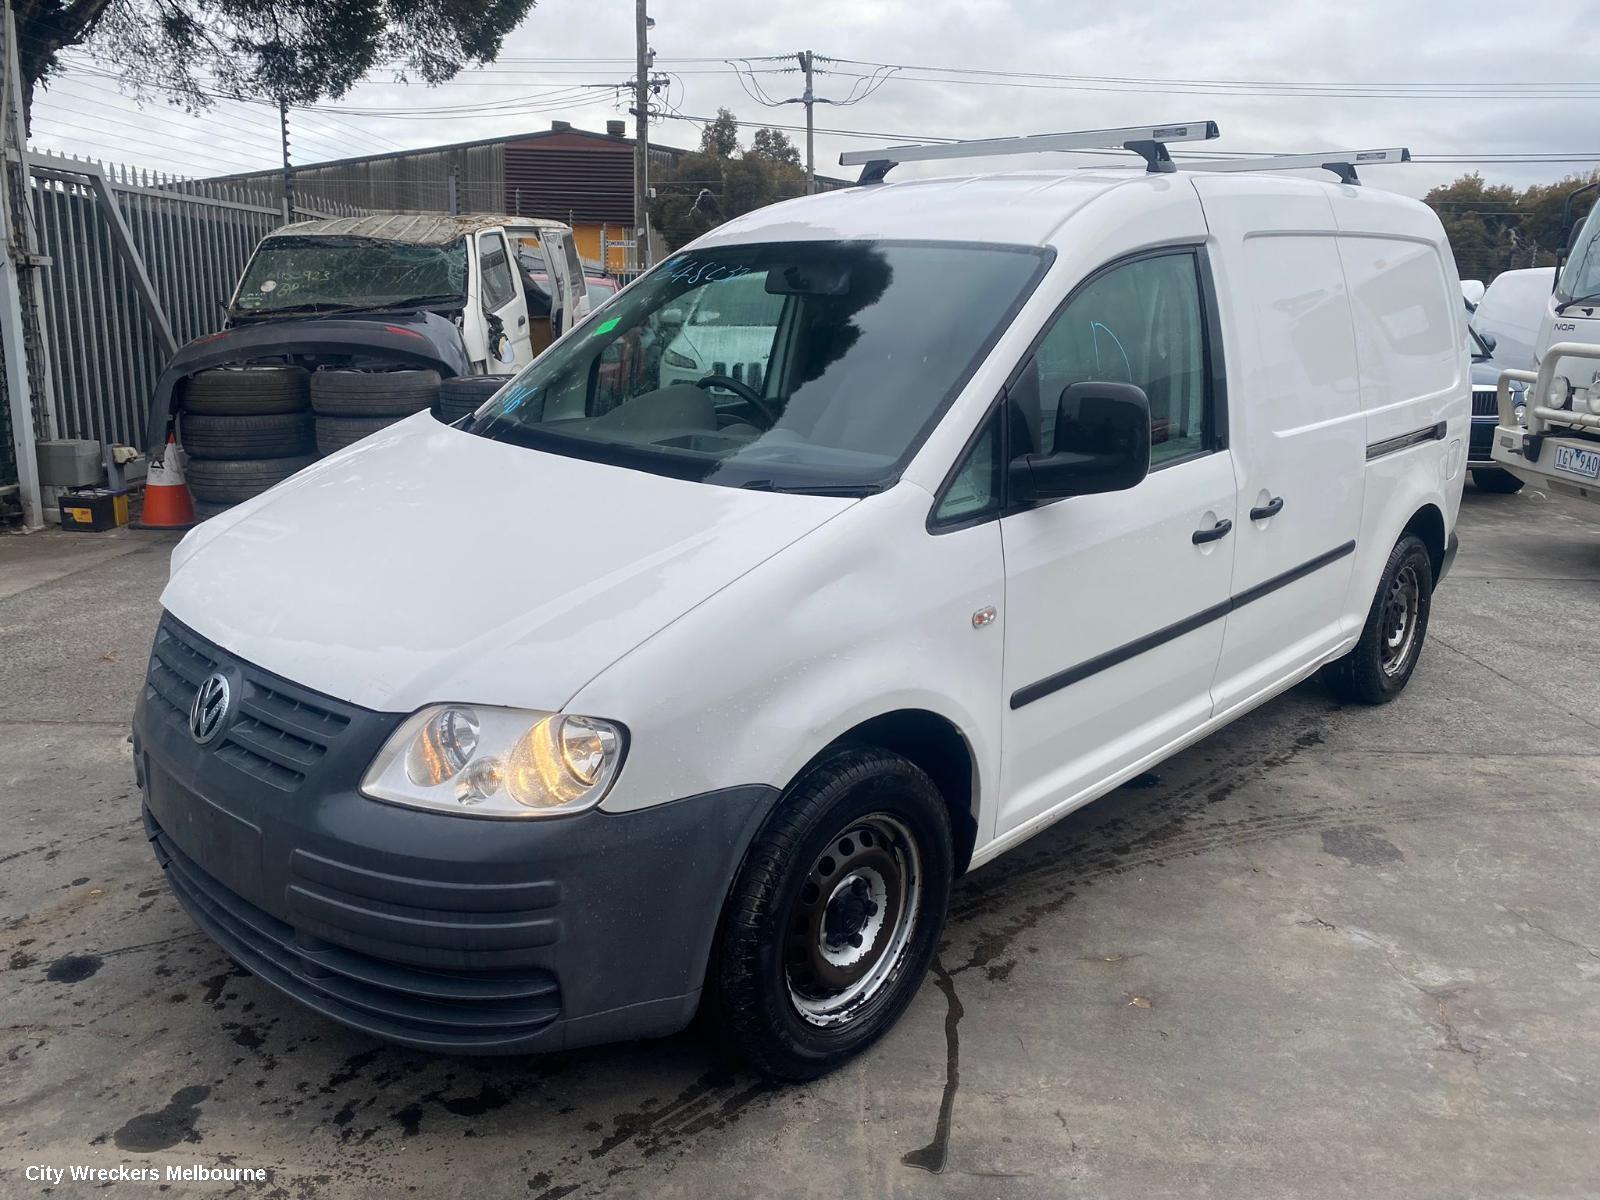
(720, 138)
(719, 182)
(293, 50)
(774, 146)
(1497, 228)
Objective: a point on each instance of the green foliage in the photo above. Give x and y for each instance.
(1494, 228)
(295, 50)
(719, 182)
(720, 138)
(774, 146)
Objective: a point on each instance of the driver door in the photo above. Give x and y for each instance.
(505, 311)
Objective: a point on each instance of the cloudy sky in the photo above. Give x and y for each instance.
(1278, 75)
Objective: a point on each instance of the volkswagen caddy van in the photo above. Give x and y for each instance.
(632, 693)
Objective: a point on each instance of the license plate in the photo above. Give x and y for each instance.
(1574, 460)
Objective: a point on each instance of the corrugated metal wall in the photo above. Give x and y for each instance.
(412, 182)
(570, 182)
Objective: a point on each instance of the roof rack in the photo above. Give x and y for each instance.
(1147, 141)
(1342, 163)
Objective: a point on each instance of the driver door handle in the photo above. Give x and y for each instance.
(1270, 509)
(1218, 531)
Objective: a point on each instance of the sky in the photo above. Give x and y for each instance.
(1285, 76)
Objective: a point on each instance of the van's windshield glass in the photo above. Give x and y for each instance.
(328, 274)
(805, 366)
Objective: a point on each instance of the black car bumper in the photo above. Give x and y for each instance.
(1480, 441)
(447, 933)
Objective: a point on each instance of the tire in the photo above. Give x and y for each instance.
(247, 391)
(228, 481)
(335, 433)
(780, 1013)
(466, 394)
(1493, 479)
(1362, 676)
(339, 393)
(205, 510)
(276, 435)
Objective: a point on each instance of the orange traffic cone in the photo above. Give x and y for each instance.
(167, 503)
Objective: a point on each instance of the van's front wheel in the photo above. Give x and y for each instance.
(1378, 668)
(835, 914)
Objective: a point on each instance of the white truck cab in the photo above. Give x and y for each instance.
(1045, 476)
(511, 285)
(1553, 440)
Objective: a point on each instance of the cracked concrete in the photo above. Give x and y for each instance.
(1326, 953)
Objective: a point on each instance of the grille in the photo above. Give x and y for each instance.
(1484, 404)
(447, 1010)
(281, 731)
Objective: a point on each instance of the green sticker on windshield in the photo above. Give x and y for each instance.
(605, 327)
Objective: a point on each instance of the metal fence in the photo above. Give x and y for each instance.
(104, 307)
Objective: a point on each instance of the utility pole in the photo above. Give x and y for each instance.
(643, 59)
(809, 100)
(288, 171)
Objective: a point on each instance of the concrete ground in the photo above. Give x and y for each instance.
(1329, 952)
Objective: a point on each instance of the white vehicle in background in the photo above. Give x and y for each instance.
(1509, 313)
(1554, 440)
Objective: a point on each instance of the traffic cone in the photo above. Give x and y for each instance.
(167, 503)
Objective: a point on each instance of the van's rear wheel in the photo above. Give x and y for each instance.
(1376, 671)
(835, 915)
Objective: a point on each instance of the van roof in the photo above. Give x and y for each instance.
(1013, 207)
(415, 229)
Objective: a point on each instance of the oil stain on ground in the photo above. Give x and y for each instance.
(165, 1127)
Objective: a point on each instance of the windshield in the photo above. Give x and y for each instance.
(300, 274)
(1580, 278)
(795, 366)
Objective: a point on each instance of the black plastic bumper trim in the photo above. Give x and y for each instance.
(1064, 679)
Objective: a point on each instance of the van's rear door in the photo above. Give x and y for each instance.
(1295, 424)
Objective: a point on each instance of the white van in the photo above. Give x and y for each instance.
(613, 698)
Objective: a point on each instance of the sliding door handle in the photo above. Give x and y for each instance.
(1220, 530)
(1270, 509)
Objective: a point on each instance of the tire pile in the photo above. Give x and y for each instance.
(247, 428)
(244, 429)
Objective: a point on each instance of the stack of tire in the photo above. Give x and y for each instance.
(465, 394)
(349, 404)
(244, 429)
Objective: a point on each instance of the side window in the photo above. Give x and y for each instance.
(975, 489)
(1137, 323)
(495, 269)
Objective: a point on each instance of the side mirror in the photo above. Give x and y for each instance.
(1488, 340)
(1102, 444)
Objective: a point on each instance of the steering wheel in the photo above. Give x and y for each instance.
(745, 392)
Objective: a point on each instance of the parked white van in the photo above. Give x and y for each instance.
(614, 699)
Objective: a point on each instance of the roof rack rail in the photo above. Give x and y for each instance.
(1342, 163)
(1147, 141)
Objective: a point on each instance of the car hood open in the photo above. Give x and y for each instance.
(425, 564)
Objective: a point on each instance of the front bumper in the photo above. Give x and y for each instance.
(447, 933)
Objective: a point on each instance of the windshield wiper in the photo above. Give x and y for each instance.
(812, 489)
(309, 306)
(413, 301)
(1578, 302)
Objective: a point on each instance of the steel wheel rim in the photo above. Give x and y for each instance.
(1401, 607)
(852, 922)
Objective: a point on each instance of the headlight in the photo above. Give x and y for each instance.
(1560, 392)
(673, 359)
(496, 762)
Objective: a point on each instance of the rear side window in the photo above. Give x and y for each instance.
(1407, 319)
(1137, 322)
(496, 271)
